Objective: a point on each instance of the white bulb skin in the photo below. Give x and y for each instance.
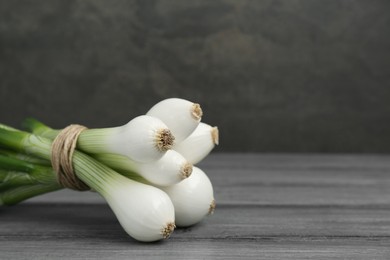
(180, 115)
(193, 198)
(145, 212)
(138, 139)
(199, 144)
(170, 169)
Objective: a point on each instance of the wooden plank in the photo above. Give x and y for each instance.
(297, 161)
(262, 179)
(300, 179)
(202, 249)
(79, 231)
(228, 222)
(269, 207)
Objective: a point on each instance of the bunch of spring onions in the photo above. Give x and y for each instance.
(145, 170)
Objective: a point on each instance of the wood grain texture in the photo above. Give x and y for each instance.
(269, 207)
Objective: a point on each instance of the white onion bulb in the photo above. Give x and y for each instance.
(143, 139)
(193, 198)
(145, 212)
(199, 144)
(170, 169)
(180, 115)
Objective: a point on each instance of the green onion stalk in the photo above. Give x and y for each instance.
(21, 180)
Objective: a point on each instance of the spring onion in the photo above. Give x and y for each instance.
(199, 144)
(20, 179)
(146, 213)
(193, 198)
(143, 169)
(143, 139)
(180, 115)
(170, 169)
(24, 157)
(21, 172)
(20, 193)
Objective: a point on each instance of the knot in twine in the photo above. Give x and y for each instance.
(62, 150)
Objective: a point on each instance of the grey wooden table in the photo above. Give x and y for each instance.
(268, 207)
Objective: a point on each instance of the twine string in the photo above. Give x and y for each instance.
(62, 150)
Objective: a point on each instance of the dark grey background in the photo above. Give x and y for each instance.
(275, 76)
